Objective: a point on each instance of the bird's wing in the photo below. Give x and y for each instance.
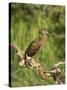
(33, 48)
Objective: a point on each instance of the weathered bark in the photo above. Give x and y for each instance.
(55, 72)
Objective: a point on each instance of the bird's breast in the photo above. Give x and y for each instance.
(42, 42)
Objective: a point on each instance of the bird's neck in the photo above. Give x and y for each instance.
(42, 37)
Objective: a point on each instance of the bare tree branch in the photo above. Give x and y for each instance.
(55, 72)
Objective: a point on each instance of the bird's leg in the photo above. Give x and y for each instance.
(27, 61)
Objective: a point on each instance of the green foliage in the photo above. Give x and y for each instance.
(26, 21)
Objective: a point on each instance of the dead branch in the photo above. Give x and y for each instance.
(58, 64)
(55, 72)
(19, 53)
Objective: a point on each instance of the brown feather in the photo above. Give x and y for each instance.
(34, 46)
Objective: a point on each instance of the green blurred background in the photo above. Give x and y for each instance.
(26, 21)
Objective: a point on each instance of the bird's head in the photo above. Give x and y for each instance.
(44, 32)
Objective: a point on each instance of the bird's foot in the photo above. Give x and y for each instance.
(27, 63)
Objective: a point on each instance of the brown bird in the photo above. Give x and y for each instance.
(35, 45)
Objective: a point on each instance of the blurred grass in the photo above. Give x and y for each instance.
(26, 21)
